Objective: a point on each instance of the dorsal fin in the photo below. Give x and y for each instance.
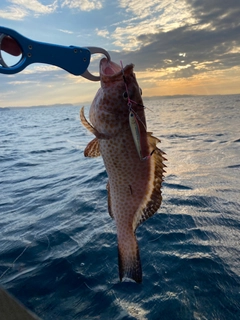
(154, 198)
(92, 149)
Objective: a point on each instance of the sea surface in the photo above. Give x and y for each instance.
(58, 248)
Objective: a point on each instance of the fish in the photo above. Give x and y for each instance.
(133, 162)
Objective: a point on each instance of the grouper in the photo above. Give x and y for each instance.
(133, 162)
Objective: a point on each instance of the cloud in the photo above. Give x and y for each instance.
(41, 68)
(36, 6)
(83, 5)
(19, 9)
(150, 17)
(166, 11)
(66, 31)
(14, 83)
(13, 13)
(102, 33)
(177, 46)
(216, 13)
(208, 40)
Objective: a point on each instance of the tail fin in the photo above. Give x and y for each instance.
(129, 262)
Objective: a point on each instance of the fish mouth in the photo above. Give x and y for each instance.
(111, 69)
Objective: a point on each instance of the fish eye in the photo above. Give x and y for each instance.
(125, 95)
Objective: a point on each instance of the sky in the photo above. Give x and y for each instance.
(178, 47)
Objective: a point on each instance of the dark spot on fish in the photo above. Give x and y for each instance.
(125, 95)
(130, 189)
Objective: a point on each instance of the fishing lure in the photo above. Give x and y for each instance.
(134, 126)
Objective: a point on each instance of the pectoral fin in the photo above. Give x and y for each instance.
(88, 126)
(92, 150)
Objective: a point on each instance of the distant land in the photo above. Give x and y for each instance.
(86, 103)
(177, 96)
(171, 97)
(41, 106)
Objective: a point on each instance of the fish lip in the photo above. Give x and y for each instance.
(110, 69)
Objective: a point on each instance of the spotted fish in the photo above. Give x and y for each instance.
(132, 160)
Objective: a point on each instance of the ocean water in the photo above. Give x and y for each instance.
(58, 249)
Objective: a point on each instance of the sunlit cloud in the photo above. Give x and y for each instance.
(83, 5)
(13, 13)
(145, 8)
(66, 31)
(102, 33)
(19, 9)
(127, 38)
(75, 79)
(157, 83)
(151, 17)
(36, 6)
(39, 69)
(16, 83)
(234, 49)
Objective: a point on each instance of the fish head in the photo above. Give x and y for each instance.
(119, 81)
(109, 112)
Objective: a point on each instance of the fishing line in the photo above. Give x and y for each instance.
(130, 101)
(135, 119)
(12, 266)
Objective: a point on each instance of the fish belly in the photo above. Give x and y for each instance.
(127, 187)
